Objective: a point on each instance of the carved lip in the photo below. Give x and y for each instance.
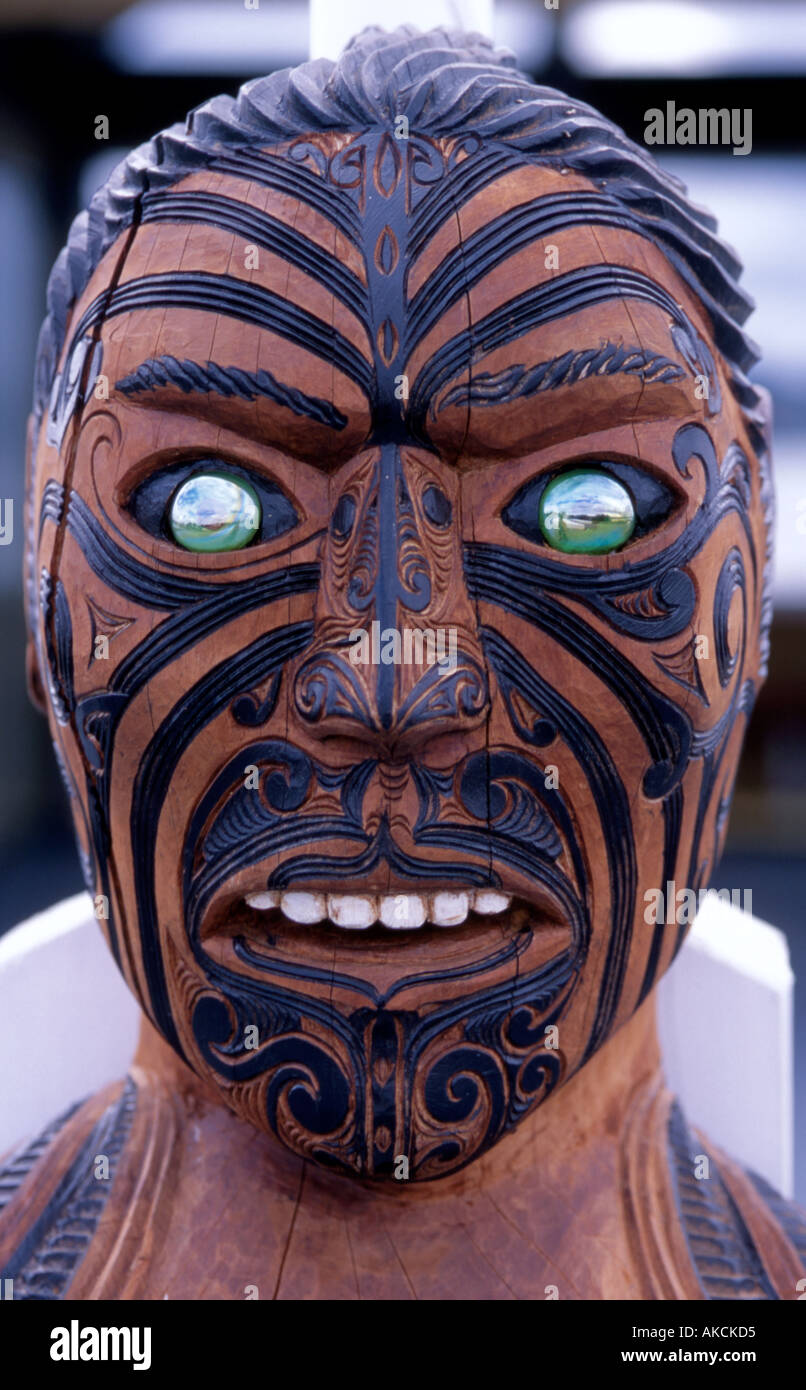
(537, 904)
(397, 911)
(344, 967)
(536, 928)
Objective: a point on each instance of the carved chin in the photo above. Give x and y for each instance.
(382, 1053)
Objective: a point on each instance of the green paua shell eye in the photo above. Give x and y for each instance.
(586, 512)
(214, 511)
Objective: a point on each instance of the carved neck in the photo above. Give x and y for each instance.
(530, 1218)
(583, 1116)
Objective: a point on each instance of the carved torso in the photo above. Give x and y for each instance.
(600, 1202)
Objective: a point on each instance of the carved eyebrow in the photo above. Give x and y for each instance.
(557, 298)
(189, 376)
(492, 388)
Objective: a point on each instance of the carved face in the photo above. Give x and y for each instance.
(347, 380)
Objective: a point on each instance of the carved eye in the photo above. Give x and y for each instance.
(591, 510)
(214, 512)
(586, 513)
(209, 507)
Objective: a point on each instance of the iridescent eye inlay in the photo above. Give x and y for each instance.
(213, 512)
(586, 512)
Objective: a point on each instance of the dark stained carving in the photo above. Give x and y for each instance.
(728, 1264)
(398, 378)
(43, 1263)
(226, 381)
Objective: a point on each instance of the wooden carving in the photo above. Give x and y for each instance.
(399, 522)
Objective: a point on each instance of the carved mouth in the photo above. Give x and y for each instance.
(436, 928)
(393, 911)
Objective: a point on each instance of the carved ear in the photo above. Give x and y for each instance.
(33, 674)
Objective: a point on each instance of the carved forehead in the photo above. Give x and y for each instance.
(466, 105)
(315, 279)
(420, 210)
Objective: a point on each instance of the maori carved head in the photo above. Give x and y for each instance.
(397, 583)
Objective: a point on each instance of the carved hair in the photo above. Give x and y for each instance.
(446, 85)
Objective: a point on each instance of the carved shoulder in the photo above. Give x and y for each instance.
(54, 1189)
(745, 1241)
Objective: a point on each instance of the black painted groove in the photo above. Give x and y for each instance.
(662, 725)
(458, 185)
(518, 381)
(184, 629)
(235, 298)
(16, 1168)
(672, 826)
(225, 681)
(723, 1253)
(227, 381)
(52, 504)
(526, 223)
(293, 180)
(497, 240)
(58, 644)
(564, 295)
(44, 1262)
(613, 806)
(153, 588)
(259, 228)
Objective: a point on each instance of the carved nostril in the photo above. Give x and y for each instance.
(436, 506)
(341, 522)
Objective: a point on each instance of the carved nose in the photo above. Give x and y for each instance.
(395, 658)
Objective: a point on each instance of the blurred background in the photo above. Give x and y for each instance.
(144, 65)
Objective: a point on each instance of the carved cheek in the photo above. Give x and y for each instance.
(649, 668)
(139, 647)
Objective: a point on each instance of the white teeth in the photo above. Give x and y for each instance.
(305, 908)
(346, 910)
(263, 901)
(487, 902)
(449, 909)
(403, 910)
(400, 911)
